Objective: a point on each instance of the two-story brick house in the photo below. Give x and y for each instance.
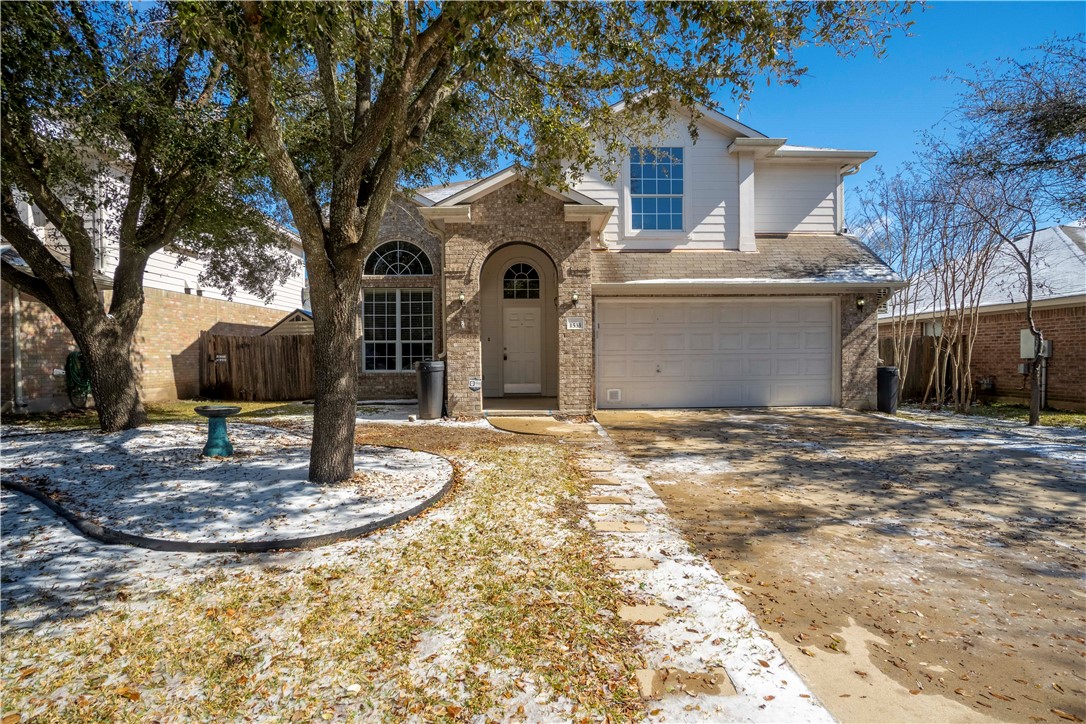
(712, 274)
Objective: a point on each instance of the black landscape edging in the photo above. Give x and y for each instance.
(115, 537)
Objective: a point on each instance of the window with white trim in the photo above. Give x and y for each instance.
(397, 328)
(656, 188)
(398, 258)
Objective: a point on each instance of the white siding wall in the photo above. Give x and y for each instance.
(710, 199)
(795, 197)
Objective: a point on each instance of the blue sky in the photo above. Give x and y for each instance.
(881, 104)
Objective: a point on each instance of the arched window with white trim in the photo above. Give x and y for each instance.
(398, 258)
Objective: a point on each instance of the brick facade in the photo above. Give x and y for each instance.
(859, 353)
(166, 351)
(402, 223)
(517, 213)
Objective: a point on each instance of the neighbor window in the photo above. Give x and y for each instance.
(398, 328)
(656, 188)
(398, 258)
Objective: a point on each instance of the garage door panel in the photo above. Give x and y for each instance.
(788, 340)
(702, 342)
(759, 340)
(719, 353)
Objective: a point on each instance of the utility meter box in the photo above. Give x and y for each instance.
(1027, 345)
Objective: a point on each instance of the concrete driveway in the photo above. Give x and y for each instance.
(910, 572)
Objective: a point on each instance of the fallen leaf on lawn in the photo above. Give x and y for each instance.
(1064, 715)
(960, 692)
(806, 651)
(11, 718)
(862, 674)
(763, 664)
(914, 692)
(769, 697)
(1057, 687)
(454, 710)
(354, 688)
(128, 693)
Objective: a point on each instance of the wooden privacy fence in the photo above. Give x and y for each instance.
(268, 368)
(921, 360)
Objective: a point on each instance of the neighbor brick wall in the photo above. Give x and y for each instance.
(166, 351)
(996, 354)
(518, 213)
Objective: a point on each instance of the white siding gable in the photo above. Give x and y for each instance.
(795, 197)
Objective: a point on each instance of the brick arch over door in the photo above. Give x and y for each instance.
(518, 213)
(492, 315)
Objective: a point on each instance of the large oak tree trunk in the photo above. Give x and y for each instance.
(115, 381)
(335, 372)
(107, 349)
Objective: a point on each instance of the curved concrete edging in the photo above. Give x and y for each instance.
(115, 537)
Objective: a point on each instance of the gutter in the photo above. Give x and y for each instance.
(748, 288)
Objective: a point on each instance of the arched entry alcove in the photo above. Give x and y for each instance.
(519, 322)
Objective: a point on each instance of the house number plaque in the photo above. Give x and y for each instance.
(574, 322)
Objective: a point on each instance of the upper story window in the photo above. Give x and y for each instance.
(398, 258)
(521, 281)
(656, 188)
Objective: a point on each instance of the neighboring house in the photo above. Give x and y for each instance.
(300, 321)
(1059, 302)
(35, 343)
(713, 274)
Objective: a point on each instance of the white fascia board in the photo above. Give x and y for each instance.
(720, 119)
(759, 147)
(506, 176)
(452, 214)
(596, 216)
(738, 286)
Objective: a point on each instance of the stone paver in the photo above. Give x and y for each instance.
(607, 500)
(631, 564)
(642, 614)
(657, 683)
(604, 481)
(619, 526)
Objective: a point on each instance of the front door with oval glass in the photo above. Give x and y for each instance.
(522, 356)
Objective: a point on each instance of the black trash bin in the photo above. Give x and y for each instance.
(431, 384)
(888, 386)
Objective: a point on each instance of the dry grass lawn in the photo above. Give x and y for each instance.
(496, 604)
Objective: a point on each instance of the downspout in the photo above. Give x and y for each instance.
(444, 306)
(17, 353)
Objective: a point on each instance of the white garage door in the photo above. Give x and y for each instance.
(714, 353)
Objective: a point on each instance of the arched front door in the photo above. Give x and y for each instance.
(519, 323)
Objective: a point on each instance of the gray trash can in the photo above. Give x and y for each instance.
(431, 384)
(888, 386)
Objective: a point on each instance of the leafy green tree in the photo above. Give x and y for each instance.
(348, 99)
(118, 131)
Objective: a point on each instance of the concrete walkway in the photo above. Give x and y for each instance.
(706, 657)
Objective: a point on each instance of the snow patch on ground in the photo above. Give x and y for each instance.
(1066, 444)
(154, 482)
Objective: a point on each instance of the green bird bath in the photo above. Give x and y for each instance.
(218, 442)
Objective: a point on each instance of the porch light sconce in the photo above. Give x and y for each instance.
(576, 298)
(461, 297)
(860, 303)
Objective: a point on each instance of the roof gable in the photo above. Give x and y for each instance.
(507, 176)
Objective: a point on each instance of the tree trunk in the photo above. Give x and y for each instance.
(108, 352)
(335, 372)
